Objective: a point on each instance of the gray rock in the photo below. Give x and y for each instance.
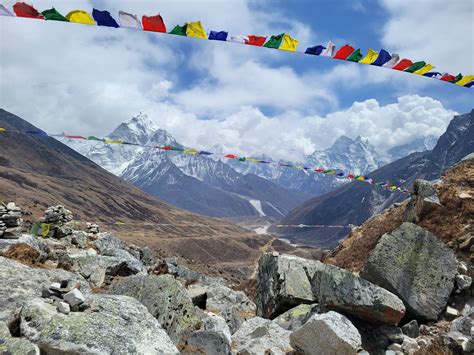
(234, 306)
(109, 325)
(283, 283)
(191, 276)
(147, 257)
(412, 263)
(328, 333)
(465, 323)
(206, 342)
(450, 313)
(259, 336)
(424, 200)
(80, 239)
(15, 346)
(64, 308)
(33, 242)
(345, 292)
(463, 282)
(411, 329)
(395, 347)
(108, 244)
(166, 299)
(74, 297)
(198, 295)
(20, 283)
(409, 345)
(217, 324)
(297, 316)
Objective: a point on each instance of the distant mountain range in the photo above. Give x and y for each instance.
(229, 188)
(356, 202)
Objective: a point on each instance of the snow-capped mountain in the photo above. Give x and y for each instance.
(418, 145)
(193, 182)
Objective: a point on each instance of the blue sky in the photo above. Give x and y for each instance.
(87, 80)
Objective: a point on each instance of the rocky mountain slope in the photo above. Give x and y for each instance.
(192, 182)
(355, 203)
(70, 290)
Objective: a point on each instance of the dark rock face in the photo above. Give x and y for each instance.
(415, 265)
(286, 281)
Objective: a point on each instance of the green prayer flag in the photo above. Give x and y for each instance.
(355, 56)
(415, 66)
(54, 15)
(179, 30)
(274, 41)
(177, 149)
(35, 228)
(94, 138)
(458, 77)
(242, 159)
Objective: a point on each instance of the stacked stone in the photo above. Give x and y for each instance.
(93, 228)
(65, 296)
(10, 221)
(58, 218)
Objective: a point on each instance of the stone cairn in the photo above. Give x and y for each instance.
(10, 221)
(58, 218)
(65, 295)
(92, 228)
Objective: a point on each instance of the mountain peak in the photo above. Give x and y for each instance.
(138, 129)
(142, 121)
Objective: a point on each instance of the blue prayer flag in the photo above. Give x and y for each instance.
(103, 18)
(218, 35)
(382, 58)
(316, 50)
(37, 133)
(431, 74)
(203, 152)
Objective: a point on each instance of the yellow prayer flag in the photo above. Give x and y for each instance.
(465, 80)
(424, 70)
(370, 57)
(195, 29)
(288, 43)
(45, 227)
(80, 16)
(191, 151)
(253, 160)
(2, 129)
(113, 141)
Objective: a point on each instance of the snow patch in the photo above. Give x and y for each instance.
(257, 204)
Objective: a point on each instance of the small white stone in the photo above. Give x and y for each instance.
(64, 308)
(11, 205)
(55, 286)
(451, 313)
(395, 347)
(422, 342)
(463, 282)
(462, 268)
(74, 297)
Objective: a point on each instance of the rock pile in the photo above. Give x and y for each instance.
(57, 221)
(92, 228)
(10, 221)
(65, 295)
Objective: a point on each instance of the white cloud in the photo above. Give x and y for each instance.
(432, 30)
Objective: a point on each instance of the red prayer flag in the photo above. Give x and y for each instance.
(231, 156)
(319, 170)
(448, 77)
(154, 23)
(256, 40)
(350, 176)
(403, 64)
(344, 52)
(24, 10)
(168, 147)
(75, 137)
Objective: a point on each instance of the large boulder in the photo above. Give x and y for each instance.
(415, 265)
(328, 333)
(109, 325)
(20, 283)
(15, 346)
(261, 336)
(424, 200)
(166, 299)
(234, 306)
(345, 292)
(285, 281)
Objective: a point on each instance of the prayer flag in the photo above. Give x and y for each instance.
(433, 74)
(231, 156)
(4, 11)
(403, 64)
(329, 172)
(80, 16)
(468, 85)
(37, 133)
(195, 29)
(94, 138)
(424, 70)
(458, 78)
(22, 9)
(382, 58)
(113, 141)
(103, 18)
(3, 129)
(355, 56)
(179, 30)
(178, 149)
(392, 62)
(45, 228)
(242, 159)
(154, 23)
(218, 36)
(330, 49)
(168, 147)
(370, 57)
(239, 39)
(203, 152)
(344, 52)
(316, 50)
(255, 40)
(191, 151)
(288, 43)
(448, 77)
(274, 41)
(466, 80)
(415, 66)
(75, 137)
(127, 20)
(53, 15)
(319, 170)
